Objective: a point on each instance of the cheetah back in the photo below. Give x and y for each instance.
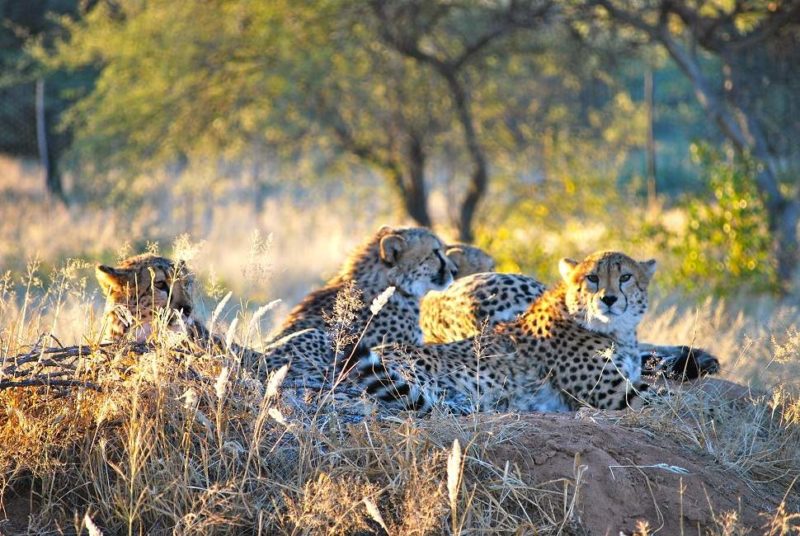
(475, 303)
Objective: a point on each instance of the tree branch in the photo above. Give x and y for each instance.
(47, 382)
(449, 70)
(767, 181)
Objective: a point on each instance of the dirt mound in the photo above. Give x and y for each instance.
(625, 467)
(627, 475)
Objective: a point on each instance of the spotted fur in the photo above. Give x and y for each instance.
(475, 302)
(469, 259)
(412, 260)
(141, 287)
(481, 301)
(575, 345)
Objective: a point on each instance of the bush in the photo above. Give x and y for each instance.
(725, 246)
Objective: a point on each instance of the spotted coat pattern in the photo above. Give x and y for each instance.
(412, 260)
(141, 287)
(575, 345)
(481, 301)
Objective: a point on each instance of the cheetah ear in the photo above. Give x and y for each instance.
(566, 267)
(457, 255)
(182, 273)
(392, 246)
(649, 268)
(111, 278)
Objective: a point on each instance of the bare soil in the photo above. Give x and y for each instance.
(630, 474)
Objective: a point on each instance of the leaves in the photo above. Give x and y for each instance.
(726, 246)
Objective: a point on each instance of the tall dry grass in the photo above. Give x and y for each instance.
(169, 442)
(177, 443)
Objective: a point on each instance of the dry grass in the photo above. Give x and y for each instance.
(176, 439)
(192, 444)
(177, 445)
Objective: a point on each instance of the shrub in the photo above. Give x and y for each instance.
(725, 246)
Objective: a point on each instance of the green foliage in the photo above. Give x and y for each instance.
(718, 246)
(198, 81)
(25, 26)
(725, 246)
(187, 85)
(573, 207)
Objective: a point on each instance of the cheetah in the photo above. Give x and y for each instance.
(485, 299)
(434, 308)
(412, 260)
(145, 286)
(469, 260)
(574, 345)
(137, 289)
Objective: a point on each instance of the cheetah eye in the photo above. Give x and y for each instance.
(593, 279)
(624, 277)
(162, 285)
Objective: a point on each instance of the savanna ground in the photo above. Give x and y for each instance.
(158, 440)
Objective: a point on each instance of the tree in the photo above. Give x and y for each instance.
(449, 38)
(359, 80)
(32, 95)
(383, 109)
(189, 78)
(749, 46)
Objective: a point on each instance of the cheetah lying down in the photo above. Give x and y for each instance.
(483, 299)
(575, 345)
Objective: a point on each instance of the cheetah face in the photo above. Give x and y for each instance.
(470, 259)
(142, 285)
(416, 261)
(607, 291)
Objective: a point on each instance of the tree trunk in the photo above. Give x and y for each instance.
(742, 128)
(783, 225)
(208, 213)
(783, 213)
(480, 175)
(406, 172)
(188, 212)
(47, 157)
(415, 195)
(260, 187)
(475, 192)
(650, 144)
(414, 205)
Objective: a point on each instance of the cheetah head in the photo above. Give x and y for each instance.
(607, 291)
(140, 286)
(470, 259)
(415, 260)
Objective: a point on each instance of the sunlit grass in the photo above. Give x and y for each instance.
(168, 441)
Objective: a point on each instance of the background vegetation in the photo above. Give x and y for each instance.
(262, 140)
(516, 124)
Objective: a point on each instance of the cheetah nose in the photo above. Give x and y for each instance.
(609, 300)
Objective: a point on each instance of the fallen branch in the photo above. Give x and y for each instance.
(47, 382)
(58, 366)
